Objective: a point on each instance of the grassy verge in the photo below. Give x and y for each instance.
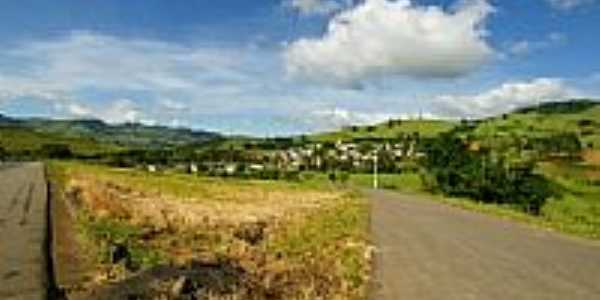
(337, 234)
(405, 182)
(289, 240)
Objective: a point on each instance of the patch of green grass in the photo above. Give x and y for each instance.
(405, 182)
(578, 211)
(340, 233)
(185, 186)
(106, 233)
(575, 215)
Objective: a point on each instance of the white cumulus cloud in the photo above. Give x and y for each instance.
(382, 37)
(506, 97)
(338, 117)
(118, 111)
(81, 73)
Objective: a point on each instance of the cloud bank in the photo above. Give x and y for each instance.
(506, 97)
(381, 37)
(86, 74)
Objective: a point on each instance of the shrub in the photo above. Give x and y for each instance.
(455, 170)
(344, 177)
(55, 151)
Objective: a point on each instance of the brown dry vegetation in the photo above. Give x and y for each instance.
(592, 157)
(184, 237)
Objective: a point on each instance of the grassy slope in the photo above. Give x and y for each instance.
(22, 139)
(578, 211)
(427, 128)
(536, 124)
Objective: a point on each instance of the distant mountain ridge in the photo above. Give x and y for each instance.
(126, 134)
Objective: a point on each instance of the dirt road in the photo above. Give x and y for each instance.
(432, 251)
(23, 232)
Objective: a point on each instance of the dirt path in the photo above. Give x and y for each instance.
(427, 250)
(23, 232)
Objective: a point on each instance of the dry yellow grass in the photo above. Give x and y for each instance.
(290, 241)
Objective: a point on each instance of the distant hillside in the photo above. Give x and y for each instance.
(16, 139)
(126, 135)
(581, 117)
(390, 129)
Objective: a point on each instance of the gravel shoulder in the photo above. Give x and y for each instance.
(428, 250)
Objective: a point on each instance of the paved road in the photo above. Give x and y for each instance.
(23, 228)
(432, 251)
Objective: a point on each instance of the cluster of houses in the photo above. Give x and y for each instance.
(354, 155)
(358, 155)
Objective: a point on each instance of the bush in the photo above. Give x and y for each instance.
(343, 177)
(55, 151)
(455, 170)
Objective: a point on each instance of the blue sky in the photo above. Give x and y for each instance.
(276, 67)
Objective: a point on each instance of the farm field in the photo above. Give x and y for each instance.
(146, 233)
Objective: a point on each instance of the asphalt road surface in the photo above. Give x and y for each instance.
(23, 232)
(428, 250)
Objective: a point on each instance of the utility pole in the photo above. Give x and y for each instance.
(375, 171)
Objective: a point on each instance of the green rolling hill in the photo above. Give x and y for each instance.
(20, 132)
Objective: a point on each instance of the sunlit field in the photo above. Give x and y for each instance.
(263, 239)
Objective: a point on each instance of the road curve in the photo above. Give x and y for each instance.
(23, 232)
(428, 250)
